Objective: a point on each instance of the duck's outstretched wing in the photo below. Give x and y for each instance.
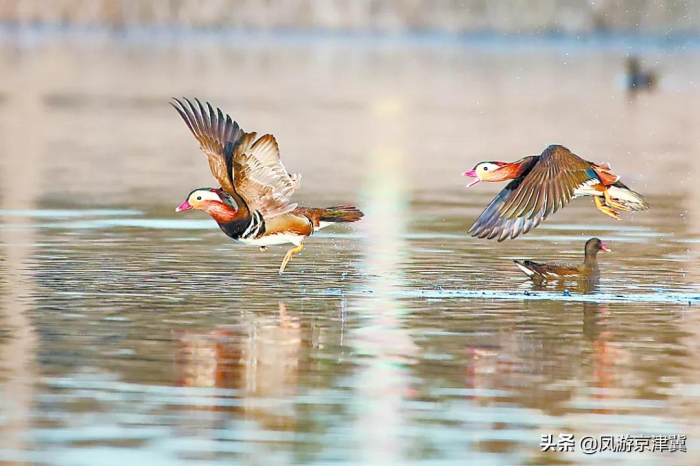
(252, 168)
(261, 179)
(491, 224)
(528, 200)
(220, 138)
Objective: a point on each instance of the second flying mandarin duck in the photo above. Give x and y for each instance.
(542, 184)
(252, 205)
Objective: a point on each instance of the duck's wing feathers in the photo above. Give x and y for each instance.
(528, 200)
(261, 179)
(220, 138)
(252, 169)
(544, 270)
(491, 224)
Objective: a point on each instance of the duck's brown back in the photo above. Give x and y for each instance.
(559, 269)
(544, 270)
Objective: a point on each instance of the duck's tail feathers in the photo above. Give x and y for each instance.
(624, 196)
(525, 267)
(336, 214)
(341, 213)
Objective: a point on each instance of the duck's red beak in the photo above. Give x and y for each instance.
(605, 247)
(184, 206)
(471, 174)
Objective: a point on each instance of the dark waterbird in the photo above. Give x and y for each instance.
(637, 78)
(542, 271)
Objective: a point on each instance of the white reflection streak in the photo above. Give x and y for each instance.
(20, 181)
(384, 382)
(693, 217)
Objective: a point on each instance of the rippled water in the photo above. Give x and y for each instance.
(132, 334)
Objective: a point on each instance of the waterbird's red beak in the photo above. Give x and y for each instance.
(471, 174)
(184, 206)
(605, 247)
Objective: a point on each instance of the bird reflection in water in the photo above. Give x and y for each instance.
(587, 284)
(542, 354)
(604, 356)
(259, 357)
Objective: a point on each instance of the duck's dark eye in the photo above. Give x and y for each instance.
(199, 198)
(486, 169)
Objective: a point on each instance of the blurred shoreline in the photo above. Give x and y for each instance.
(154, 36)
(663, 18)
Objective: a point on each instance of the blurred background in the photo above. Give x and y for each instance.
(663, 17)
(130, 333)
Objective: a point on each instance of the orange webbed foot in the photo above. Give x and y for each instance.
(609, 211)
(610, 202)
(289, 255)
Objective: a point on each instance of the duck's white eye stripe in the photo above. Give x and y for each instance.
(207, 196)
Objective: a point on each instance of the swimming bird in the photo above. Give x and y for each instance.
(543, 271)
(638, 79)
(542, 184)
(252, 205)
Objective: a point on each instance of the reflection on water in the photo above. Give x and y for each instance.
(132, 335)
(259, 358)
(383, 381)
(17, 284)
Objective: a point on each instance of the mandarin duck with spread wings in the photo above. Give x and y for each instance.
(252, 205)
(542, 184)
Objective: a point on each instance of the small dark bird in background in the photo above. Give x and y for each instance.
(638, 79)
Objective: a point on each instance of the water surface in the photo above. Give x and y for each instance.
(132, 334)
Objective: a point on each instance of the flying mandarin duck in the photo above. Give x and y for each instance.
(252, 205)
(544, 271)
(542, 184)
